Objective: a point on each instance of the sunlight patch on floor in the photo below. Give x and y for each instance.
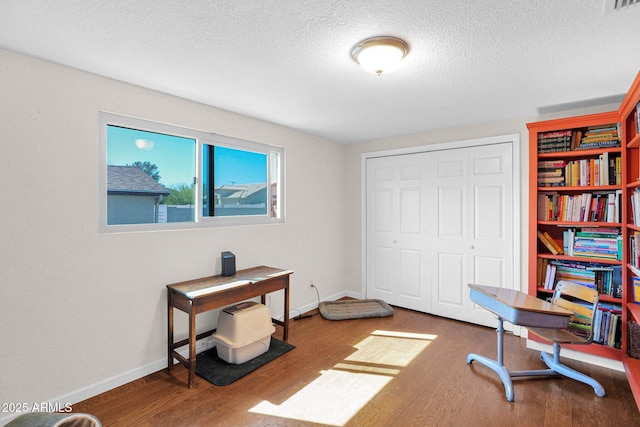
(386, 350)
(339, 393)
(332, 399)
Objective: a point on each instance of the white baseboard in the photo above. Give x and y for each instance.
(351, 294)
(100, 387)
(312, 306)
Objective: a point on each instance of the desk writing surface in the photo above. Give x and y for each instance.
(212, 284)
(520, 300)
(520, 308)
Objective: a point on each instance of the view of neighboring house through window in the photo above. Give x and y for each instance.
(150, 177)
(239, 182)
(161, 174)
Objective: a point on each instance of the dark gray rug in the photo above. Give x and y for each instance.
(355, 309)
(219, 372)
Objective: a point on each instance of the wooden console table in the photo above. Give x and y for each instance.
(201, 295)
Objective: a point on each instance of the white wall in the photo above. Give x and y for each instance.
(80, 308)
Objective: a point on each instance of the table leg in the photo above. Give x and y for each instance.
(169, 331)
(192, 345)
(285, 330)
(497, 365)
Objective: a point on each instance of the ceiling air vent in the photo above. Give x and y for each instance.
(614, 5)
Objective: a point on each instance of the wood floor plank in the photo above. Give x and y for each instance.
(435, 387)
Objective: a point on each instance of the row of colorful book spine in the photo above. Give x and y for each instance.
(579, 139)
(605, 278)
(606, 169)
(607, 325)
(585, 207)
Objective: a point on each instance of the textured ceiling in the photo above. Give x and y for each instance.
(288, 62)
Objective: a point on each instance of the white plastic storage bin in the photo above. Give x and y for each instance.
(244, 332)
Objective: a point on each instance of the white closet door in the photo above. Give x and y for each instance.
(437, 221)
(396, 201)
(471, 239)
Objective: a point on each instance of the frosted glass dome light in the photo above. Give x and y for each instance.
(379, 55)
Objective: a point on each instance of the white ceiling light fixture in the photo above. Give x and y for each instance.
(380, 55)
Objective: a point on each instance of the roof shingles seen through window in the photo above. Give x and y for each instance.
(132, 180)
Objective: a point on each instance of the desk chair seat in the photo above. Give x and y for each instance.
(583, 302)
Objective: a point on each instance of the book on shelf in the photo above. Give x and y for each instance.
(576, 273)
(605, 278)
(635, 206)
(589, 246)
(607, 325)
(591, 137)
(553, 242)
(568, 241)
(635, 285)
(603, 170)
(586, 207)
(547, 242)
(543, 264)
(608, 279)
(634, 249)
(597, 242)
(600, 137)
(551, 164)
(550, 274)
(551, 173)
(549, 142)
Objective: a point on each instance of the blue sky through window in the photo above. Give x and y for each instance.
(238, 167)
(175, 156)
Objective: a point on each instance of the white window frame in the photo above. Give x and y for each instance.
(202, 138)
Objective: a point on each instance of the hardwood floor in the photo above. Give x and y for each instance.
(414, 380)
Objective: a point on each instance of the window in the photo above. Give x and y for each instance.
(238, 182)
(155, 176)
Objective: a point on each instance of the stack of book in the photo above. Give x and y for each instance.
(597, 243)
(599, 137)
(549, 142)
(574, 272)
(551, 173)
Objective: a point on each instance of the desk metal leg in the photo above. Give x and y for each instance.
(497, 365)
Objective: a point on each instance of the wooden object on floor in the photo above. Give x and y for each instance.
(434, 388)
(201, 295)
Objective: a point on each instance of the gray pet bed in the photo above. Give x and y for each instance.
(355, 309)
